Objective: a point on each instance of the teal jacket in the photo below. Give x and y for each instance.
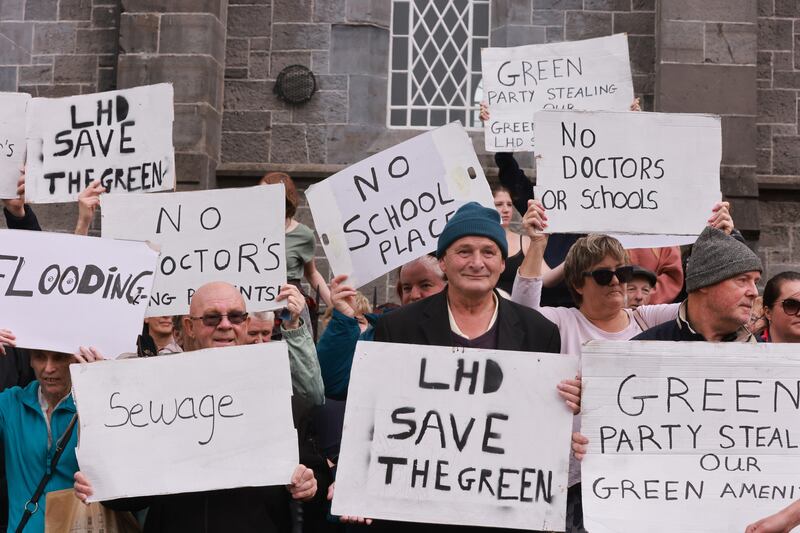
(27, 454)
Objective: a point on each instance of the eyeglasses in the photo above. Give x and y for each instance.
(603, 276)
(213, 320)
(791, 306)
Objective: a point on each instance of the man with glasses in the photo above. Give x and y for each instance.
(721, 280)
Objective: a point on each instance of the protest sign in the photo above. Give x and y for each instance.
(390, 208)
(212, 419)
(639, 173)
(593, 74)
(691, 437)
(12, 141)
(462, 436)
(59, 292)
(233, 235)
(123, 138)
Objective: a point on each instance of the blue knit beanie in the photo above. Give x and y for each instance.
(472, 219)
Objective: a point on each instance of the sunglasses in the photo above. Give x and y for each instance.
(791, 306)
(213, 320)
(603, 276)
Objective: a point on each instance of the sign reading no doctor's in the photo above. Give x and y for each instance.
(592, 74)
(462, 436)
(390, 208)
(12, 140)
(123, 138)
(626, 172)
(689, 436)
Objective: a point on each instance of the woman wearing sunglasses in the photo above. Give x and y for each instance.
(782, 307)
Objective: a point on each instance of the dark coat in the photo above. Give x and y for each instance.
(520, 328)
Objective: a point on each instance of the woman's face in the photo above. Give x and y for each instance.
(504, 206)
(782, 326)
(611, 296)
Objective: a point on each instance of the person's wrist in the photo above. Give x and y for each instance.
(16, 210)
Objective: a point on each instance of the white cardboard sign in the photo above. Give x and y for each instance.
(233, 235)
(689, 436)
(390, 208)
(123, 138)
(623, 172)
(12, 141)
(59, 292)
(485, 430)
(211, 419)
(593, 74)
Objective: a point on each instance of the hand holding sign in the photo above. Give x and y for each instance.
(304, 485)
(88, 202)
(7, 338)
(16, 206)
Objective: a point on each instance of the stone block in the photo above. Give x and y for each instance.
(75, 69)
(786, 156)
(249, 21)
(262, 44)
(370, 11)
(12, 9)
(292, 10)
(746, 212)
(550, 17)
(587, 24)
(499, 14)
(643, 5)
(288, 144)
(764, 136)
(738, 140)
(607, 5)
(40, 10)
(643, 54)
(359, 50)
(522, 35)
(193, 128)
(558, 4)
(215, 7)
(739, 181)
(554, 34)
(281, 60)
(237, 52)
(329, 11)
(710, 10)
(191, 168)
(320, 62)
(786, 79)
(643, 84)
(195, 79)
(138, 33)
(774, 34)
(787, 8)
(8, 79)
(54, 91)
(706, 89)
(236, 73)
(367, 95)
(57, 217)
(245, 147)
(636, 23)
(258, 121)
(773, 236)
(97, 41)
(764, 161)
(730, 43)
(35, 74)
(779, 213)
(316, 139)
(106, 79)
(105, 17)
(327, 82)
(248, 95)
(190, 33)
(327, 107)
(259, 65)
(777, 107)
(519, 12)
(74, 9)
(764, 65)
(498, 36)
(782, 60)
(766, 8)
(293, 36)
(681, 42)
(54, 38)
(16, 44)
(348, 144)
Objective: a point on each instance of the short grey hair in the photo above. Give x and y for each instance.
(264, 315)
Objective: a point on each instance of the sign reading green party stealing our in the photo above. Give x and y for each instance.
(689, 436)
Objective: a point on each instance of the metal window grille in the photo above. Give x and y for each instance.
(435, 62)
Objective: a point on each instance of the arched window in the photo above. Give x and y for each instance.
(435, 62)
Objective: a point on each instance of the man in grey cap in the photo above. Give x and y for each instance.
(640, 287)
(721, 280)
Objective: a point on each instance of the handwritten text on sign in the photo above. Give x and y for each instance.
(221, 418)
(123, 138)
(709, 430)
(593, 74)
(390, 208)
(626, 172)
(59, 292)
(12, 141)
(233, 235)
(471, 437)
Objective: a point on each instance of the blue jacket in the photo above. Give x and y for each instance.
(335, 350)
(24, 432)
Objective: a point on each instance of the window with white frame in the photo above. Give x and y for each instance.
(435, 62)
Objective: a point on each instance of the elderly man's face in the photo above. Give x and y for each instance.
(472, 265)
(638, 292)
(259, 331)
(217, 317)
(417, 281)
(733, 298)
(52, 372)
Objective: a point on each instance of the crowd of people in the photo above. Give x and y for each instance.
(486, 286)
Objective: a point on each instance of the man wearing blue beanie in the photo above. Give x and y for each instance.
(469, 313)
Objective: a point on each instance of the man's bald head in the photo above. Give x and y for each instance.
(214, 301)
